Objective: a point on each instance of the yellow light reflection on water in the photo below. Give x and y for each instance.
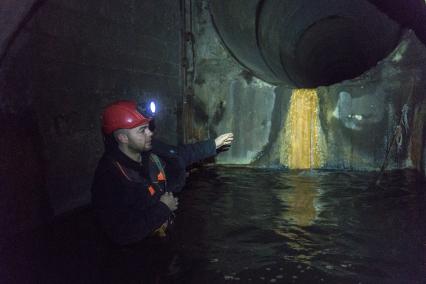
(301, 146)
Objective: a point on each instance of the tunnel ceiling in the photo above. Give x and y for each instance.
(408, 13)
(306, 43)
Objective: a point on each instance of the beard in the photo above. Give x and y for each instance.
(140, 147)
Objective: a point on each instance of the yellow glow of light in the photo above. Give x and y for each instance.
(301, 145)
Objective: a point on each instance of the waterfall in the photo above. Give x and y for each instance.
(302, 145)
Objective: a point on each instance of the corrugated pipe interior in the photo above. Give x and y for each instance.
(305, 43)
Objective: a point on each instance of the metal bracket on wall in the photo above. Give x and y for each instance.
(187, 72)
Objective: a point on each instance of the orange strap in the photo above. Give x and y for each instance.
(122, 170)
(151, 190)
(161, 177)
(161, 231)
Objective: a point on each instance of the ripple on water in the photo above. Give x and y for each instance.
(323, 225)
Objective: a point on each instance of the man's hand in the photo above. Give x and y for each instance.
(168, 199)
(224, 140)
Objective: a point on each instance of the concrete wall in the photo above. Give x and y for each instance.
(358, 117)
(69, 60)
(361, 118)
(227, 97)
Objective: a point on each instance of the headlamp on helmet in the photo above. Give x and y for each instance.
(147, 109)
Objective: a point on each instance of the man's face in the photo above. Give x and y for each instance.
(140, 138)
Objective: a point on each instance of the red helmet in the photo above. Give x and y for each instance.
(122, 114)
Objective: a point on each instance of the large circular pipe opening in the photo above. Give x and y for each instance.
(305, 43)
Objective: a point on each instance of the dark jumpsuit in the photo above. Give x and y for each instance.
(126, 194)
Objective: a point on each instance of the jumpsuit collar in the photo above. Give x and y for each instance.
(126, 161)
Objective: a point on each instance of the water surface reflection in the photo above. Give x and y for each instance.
(253, 225)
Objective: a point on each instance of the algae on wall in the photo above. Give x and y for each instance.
(385, 107)
(227, 97)
(358, 118)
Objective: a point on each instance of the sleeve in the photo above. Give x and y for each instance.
(125, 210)
(195, 152)
(145, 220)
(178, 158)
(188, 153)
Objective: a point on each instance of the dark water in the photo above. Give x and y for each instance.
(241, 225)
(244, 225)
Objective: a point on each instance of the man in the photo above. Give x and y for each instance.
(132, 191)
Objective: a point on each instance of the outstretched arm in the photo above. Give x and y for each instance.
(194, 152)
(197, 151)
